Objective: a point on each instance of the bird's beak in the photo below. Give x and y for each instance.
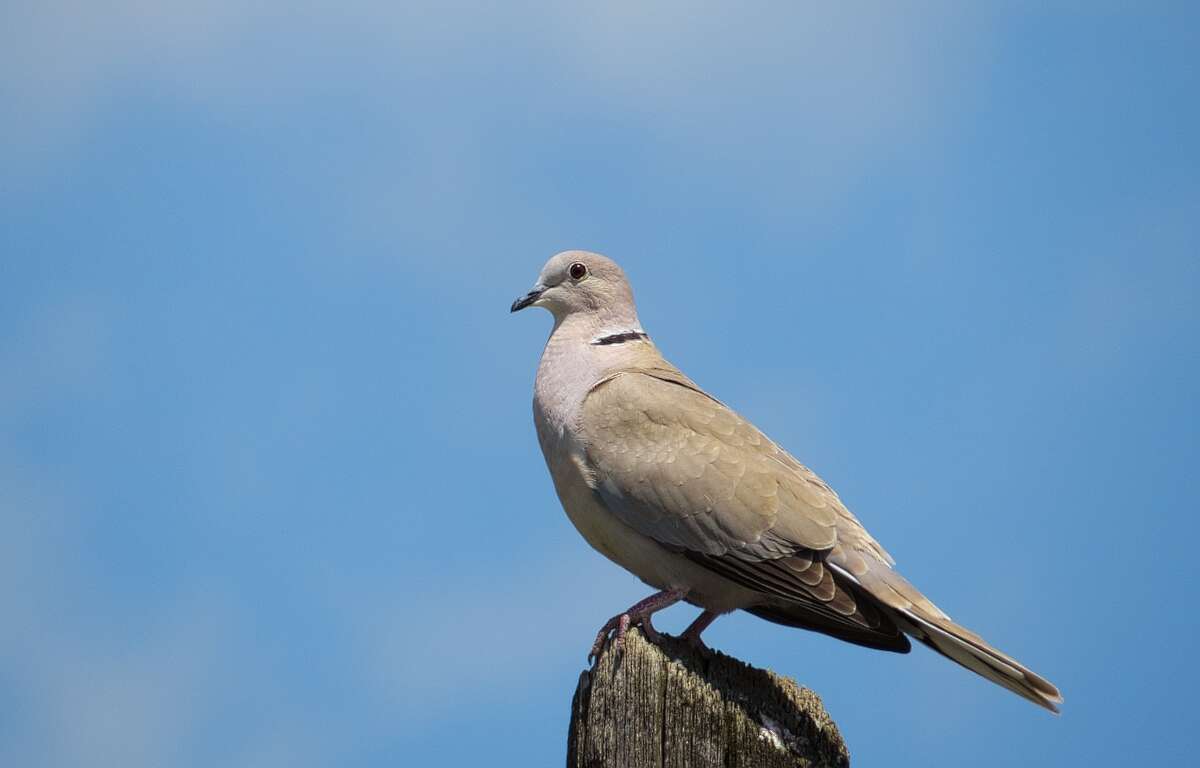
(528, 298)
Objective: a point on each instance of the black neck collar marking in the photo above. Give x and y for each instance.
(621, 338)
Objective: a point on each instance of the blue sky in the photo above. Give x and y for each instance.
(269, 488)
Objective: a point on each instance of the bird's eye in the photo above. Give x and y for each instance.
(577, 270)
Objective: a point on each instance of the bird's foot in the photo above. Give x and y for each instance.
(638, 615)
(616, 628)
(691, 635)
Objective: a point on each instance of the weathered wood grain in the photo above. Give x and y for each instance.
(671, 706)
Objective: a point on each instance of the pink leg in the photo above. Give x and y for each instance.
(638, 615)
(692, 633)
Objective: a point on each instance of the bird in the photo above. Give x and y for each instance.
(671, 484)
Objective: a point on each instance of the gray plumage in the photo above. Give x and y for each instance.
(671, 484)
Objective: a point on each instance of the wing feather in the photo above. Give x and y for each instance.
(681, 467)
(677, 465)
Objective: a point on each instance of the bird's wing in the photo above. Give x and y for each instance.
(680, 467)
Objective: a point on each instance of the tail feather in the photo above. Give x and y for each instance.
(965, 648)
(922, 620)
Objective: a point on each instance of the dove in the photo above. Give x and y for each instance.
(671, 484)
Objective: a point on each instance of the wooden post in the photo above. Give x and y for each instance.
(671, 706)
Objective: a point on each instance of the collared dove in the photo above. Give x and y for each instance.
(669, 483)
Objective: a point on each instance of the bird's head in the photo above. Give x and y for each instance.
(577, 282)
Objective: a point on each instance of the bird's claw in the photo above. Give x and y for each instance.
(638, 615)
(691, 635)
(616, 628)
(693, 639)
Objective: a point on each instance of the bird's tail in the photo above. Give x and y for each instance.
(923, 621)
(968, 649)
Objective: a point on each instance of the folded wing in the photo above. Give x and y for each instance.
(679, 466)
